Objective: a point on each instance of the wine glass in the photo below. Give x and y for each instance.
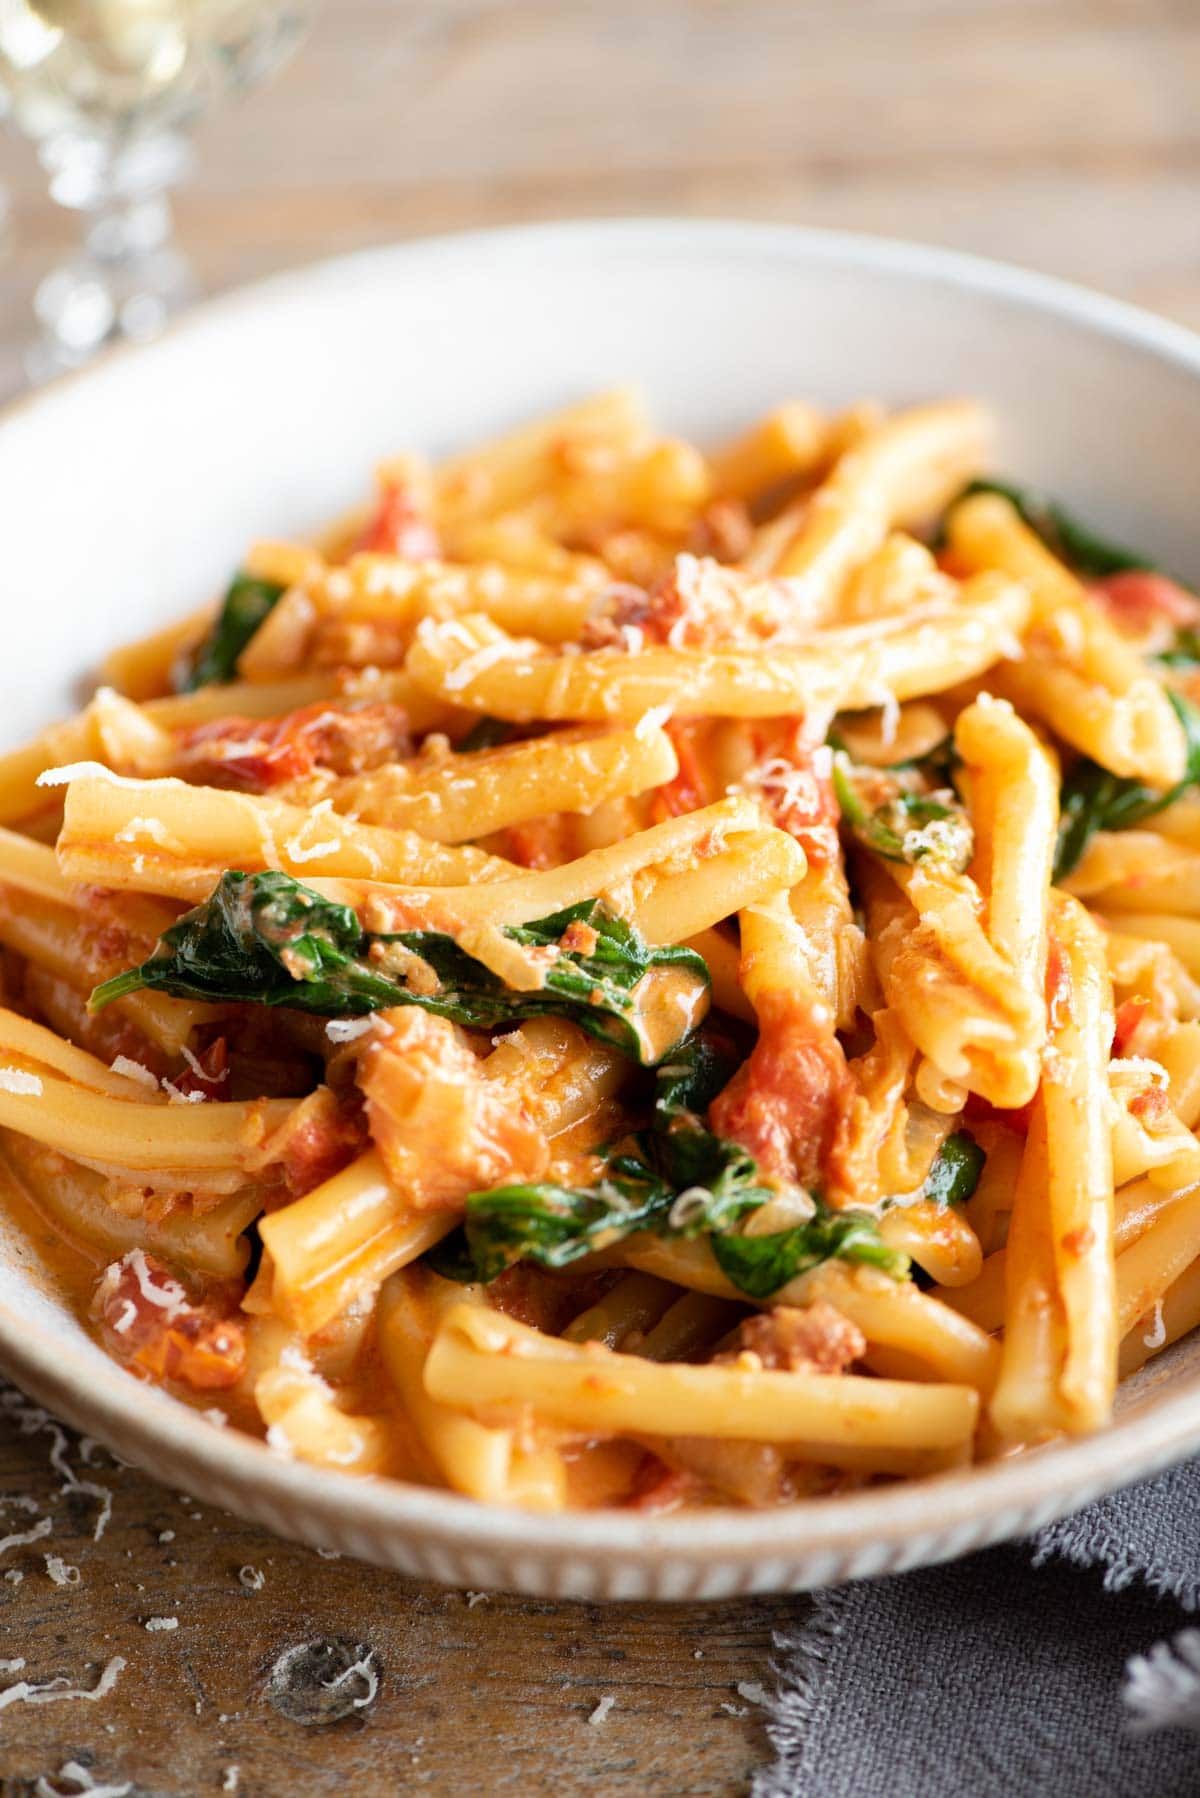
(108, 91)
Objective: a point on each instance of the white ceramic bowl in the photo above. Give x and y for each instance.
(129, 492)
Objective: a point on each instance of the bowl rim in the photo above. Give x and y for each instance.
(1049, 1480)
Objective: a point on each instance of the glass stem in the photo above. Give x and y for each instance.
(127, 277)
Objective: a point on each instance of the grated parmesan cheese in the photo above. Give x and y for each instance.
(16, 1080)
(77, 1775)
(176, 1095)
(133, 1070)
(61, 777)
(170, 1297)
(346, 1030)
(1156, 1335)
(230, 1781)
(161, 1623)
(600, 1714)
(60, 1572)
(652, 720)
(22, 1538)
(251, 1579)
(56, 1690)
(363, 1669)
(474, 1598)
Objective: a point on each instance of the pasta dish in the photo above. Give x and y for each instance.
(629, 975)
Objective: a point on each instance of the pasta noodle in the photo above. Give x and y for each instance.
(626, 973)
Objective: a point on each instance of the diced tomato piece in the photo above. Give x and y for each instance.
(785, 1102)
(151, 1324)
(255, 754)
(657, 1487)
(1059, 995)
(687, 791)
(399, 527)
(207, 1073)
(1137, 600)
(1129, 1015)
(326, 1133)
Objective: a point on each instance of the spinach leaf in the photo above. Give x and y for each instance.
(760, 1265)
(1073, 542)
(682, 1181)
(1184, 652)
(486, 733)
(1092, 799)
(899, 823)
(267, 940)
(247, 602)
(556, 1225)
(955, 1171)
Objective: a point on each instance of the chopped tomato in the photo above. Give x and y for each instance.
(1059, 995)
(442, 1127)
(799, 1339)
(796, 786)
(399, 527)
(325, 1133)
(206, 1073)
(1129, 1015)
(150, 1323)
(256, 754)
(785, 1103)
(700, 603)
(657, 1487)
(687, 792)
(1137, 600)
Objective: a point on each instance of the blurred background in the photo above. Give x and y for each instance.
(1063, 134)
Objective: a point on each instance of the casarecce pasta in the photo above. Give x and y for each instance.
(629, 974)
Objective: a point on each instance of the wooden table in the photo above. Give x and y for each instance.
(1059, 133)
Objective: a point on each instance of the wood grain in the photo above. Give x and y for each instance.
(476, 1693)
(1064, 134)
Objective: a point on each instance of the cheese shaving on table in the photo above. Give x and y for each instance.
(600, 1714)
(78, 1775)
(361, 1669)
(161, 1623)
(56, 1690)
(60, 1572)
(22, 1538)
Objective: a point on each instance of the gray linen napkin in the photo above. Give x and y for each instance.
(1022, 1670)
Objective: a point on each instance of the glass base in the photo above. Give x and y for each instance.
(123, 287)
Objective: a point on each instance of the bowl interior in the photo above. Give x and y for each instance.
(132, 490)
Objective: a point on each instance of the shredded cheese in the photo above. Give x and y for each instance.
(600, 1714)
(60, 1572)
(161, 1623)
(22, 1538)
(363, 1669)
(76, 1774)
(133, 1070)
(16, 1080)
(59, 1690)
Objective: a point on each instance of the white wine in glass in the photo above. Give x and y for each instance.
(108, 91)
